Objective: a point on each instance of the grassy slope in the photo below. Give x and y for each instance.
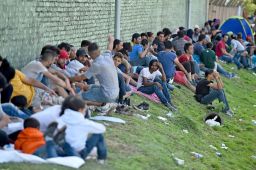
(149, 144)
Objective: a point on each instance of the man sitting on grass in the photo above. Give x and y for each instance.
(207, 90)
(150, 83)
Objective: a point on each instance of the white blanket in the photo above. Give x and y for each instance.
(108, 118)
(15, 156)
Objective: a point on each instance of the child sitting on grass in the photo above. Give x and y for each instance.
(123, 79)
(78, 128)
(32, 141)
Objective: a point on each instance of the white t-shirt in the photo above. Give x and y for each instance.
(73, 67)
(34, 70)
(237, 45)
(150, 76)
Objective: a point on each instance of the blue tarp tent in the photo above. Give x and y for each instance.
(237, 24)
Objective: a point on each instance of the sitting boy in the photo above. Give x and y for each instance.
(32, 141)
(123, 79)
(207, 90)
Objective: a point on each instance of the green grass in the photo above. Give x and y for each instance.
(150, 144)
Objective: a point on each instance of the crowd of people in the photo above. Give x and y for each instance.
(54, 94)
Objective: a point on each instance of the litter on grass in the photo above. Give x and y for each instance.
(170, 114)
(143, 117)
(213, 119)
(218, 154)
(253, 156)
(223, 146)
(231, 136)
(162, 118)
(197, 155)
(254, 122)
(213, 147)
(185, 130)
(179, 161)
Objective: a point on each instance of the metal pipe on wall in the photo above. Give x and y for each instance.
(239, 10)
(189, 14)
(117, 18)
(207, 10)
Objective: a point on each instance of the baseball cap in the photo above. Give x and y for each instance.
(81, 52)
(63, 54)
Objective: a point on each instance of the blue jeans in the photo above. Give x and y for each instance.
(13, 111)
(163, 95)
(90, 81)
(230, 60)
(96, 94)
(222, 71)
(51, 150)
(236, 59)
(122, 68)
(123, 87)
(215, 94)
(197, 62)
(226, 58)
(244, 61)
(96, 140)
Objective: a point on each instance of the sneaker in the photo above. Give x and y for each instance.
(142, 107)
(101, 161)
(171, 107)
(59, 138)
(170, 86)
(229, 112)
(127, 101)
(232, 75)
(51, 129)
(107, 108)
(123, 109)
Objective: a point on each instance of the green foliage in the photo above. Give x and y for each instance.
(250, 6)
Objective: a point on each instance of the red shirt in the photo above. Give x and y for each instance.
(221, 44)
(185, 58)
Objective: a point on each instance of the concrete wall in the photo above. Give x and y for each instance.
(27, 25)
(198, 12)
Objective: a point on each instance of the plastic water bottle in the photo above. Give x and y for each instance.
(179, 161)
(254, 122)
(197, 155)
(218, 154)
